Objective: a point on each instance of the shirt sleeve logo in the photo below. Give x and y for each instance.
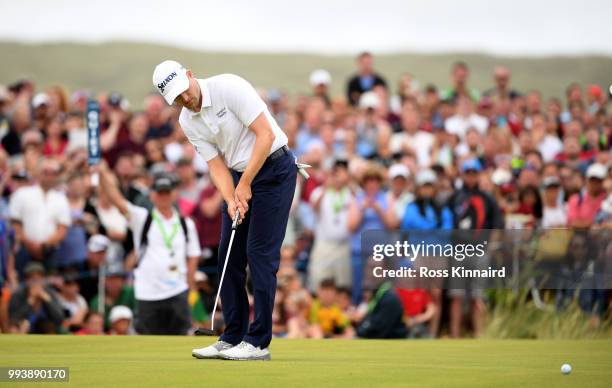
(221, 113)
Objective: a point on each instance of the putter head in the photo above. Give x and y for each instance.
(202, 331)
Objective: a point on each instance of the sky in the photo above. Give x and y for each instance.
(515, 27)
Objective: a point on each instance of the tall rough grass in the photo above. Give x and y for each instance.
(516, 315)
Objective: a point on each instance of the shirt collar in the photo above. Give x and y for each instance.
(175, 215)
(205, 97)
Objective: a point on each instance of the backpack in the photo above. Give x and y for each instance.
(144, 239)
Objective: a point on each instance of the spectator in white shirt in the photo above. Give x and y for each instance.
(545, 138)
(471, 146)
(412, 139)
(465, 118)
(41, 216)
(554, 213)
(400, 192)
(330, 256)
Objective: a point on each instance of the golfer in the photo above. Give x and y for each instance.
(252, 167)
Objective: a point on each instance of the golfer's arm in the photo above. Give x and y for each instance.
(264, 137)
(222, 178)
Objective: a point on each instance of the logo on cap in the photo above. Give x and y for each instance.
(163, 84)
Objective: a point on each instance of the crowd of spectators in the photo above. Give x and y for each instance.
(384, 156)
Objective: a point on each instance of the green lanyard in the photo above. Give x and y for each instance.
(338, 200)
(381, 291)
(167, 239)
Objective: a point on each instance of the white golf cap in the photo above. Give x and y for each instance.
(320, 77)
(120, 312)
(170, 79)
(369, 100)
(597, 170)
(98, 243)
(501, 176)
(40, 99)
(398, 170)
(425, 177)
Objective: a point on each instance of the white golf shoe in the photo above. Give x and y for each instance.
(244, 351)
(212, 351)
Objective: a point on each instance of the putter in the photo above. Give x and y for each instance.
(211, 331)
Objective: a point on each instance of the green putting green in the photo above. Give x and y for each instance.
(145, 361)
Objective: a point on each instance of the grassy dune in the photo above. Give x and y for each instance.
(127, 67)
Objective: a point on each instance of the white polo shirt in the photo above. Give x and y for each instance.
(39, 213)
(153, 278)
(229, 105)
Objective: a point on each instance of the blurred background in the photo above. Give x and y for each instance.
(430, 115)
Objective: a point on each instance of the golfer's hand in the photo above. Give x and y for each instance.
(242, 196)
(232, 207)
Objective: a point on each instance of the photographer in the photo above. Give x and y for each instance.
(34, 307)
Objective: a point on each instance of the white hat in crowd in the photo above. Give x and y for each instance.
(98, 243)
(425, 177)
(501, 176)
(40, 99)
(369, 100)
(320, 77)
(120, 312)
(398, 170)
(170, 79)
(597, 170)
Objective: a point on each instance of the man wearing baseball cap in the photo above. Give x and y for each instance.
(249, 162)
(320, 81)
(167, 250)
(399, 195)
(473, 209)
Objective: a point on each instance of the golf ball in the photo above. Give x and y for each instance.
(566, 369)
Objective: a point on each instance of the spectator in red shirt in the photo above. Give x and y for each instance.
(56, 142)
(419, 309)
(572, 156)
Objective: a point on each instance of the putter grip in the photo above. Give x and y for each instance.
(235, 221)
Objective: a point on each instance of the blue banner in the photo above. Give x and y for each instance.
(93, 132)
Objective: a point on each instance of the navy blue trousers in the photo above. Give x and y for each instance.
(257, 242)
